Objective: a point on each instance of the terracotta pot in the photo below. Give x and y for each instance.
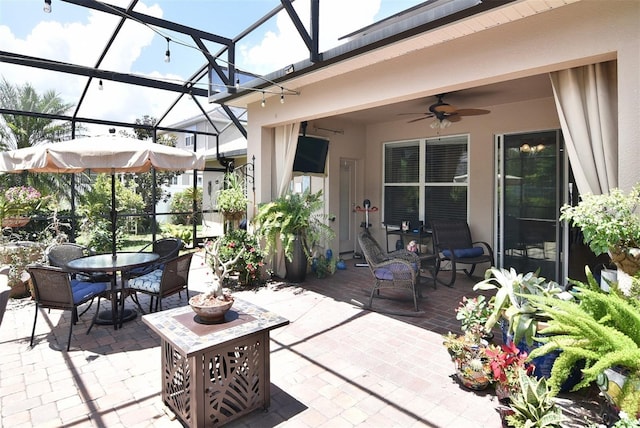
(626, 260)
(210, 311)
(17, 221)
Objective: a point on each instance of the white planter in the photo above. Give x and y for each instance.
(610, 275)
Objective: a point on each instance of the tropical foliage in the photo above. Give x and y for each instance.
(608, 220)
(96, 210)
(232, 200)
(534, 404)
(182, 202)
(601, 329)
(20, 131)
(144, 181)
(511, 300)
(291, 216)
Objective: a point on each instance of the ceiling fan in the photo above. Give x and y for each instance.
(443, 111)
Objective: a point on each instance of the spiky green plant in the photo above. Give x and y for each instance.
(601, 329)
(511, 300)
(534, 404)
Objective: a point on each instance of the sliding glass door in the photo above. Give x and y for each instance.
(530, 191)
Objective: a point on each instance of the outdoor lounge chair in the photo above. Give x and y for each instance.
(172, 278)
(453, 244)
(396, 270)
(53, 288)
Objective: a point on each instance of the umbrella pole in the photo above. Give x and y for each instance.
(113, 214)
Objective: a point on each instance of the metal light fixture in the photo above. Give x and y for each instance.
(167, 54)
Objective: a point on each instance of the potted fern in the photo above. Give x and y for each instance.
(232, 200)
(603, 329)
(297, 222)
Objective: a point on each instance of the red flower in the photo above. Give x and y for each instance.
(506, 361)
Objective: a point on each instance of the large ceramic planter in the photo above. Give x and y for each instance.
(544, 363)
(297, 267)
(611, 383)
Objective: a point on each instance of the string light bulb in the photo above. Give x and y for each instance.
(167, 54)
(47, 6)
(237, 84)
(282, 96)
(100, 87)
(263, 103)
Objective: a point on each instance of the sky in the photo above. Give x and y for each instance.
(78, 35)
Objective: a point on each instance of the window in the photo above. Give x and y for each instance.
(189, 140)
(425, 180)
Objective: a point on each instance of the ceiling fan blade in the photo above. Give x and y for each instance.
(420, 118)
(472, 112)
(412, 114)
(454, 118)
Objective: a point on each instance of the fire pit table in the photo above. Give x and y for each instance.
(213, 374)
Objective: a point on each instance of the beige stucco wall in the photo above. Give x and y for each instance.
(577, 34)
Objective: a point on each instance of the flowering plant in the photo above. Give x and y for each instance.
(19, 200)
(505, 362)
(473, 314)
(250, 261)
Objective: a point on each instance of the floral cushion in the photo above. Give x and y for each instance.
(149, 282)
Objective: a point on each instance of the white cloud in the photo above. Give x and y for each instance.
(285, 46)
(81, 42)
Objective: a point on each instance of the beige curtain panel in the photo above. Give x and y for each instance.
(587, 103)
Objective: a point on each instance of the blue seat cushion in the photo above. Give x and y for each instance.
(386, 274)
(149, 282)
(83, 290)
(463, 253)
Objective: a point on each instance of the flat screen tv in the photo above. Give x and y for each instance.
(311, 156)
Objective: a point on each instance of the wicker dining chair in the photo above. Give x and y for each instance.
(396, 270)
(166, 248)
(54, 289)
(61, 254)
(172, 278)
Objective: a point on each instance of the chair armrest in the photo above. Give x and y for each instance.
(486, 245)
(405, 255)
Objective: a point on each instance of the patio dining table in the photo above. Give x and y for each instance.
(113, 264)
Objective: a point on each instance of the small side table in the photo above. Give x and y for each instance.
(213, 374)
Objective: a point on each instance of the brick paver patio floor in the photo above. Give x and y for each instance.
(334, 365)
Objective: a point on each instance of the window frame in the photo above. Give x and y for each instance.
(422, 184)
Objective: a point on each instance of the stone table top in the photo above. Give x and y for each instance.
(178, 326)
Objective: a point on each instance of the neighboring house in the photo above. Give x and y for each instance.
(508, 164)
(231, 145)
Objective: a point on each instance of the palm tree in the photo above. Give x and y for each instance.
(19, 131)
